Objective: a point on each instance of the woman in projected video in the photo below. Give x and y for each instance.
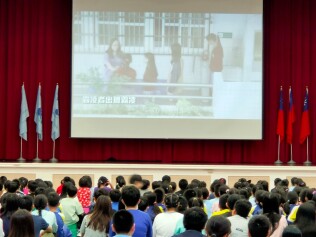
(215, 54)
(114, 59)
(151, 73)
(176, 70)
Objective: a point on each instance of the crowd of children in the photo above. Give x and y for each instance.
(158, 209)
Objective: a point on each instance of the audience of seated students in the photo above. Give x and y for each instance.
(218, 226)
(98, 222)
(239, 219)
(259, 226)
(72, 209)
(143, 224)
(266, 218)
(123, 224)
(165, 223)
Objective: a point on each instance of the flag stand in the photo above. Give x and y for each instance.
(278, 161)
(37, 159)
(307, 162)
(291, 162)
(21, 159)
(53, 159)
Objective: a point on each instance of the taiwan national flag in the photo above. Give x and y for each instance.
(291, 118)
(305, 127)
(280, 125)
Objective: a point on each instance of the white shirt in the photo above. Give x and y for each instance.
(1, 228)
(165, 224)
(239, 226)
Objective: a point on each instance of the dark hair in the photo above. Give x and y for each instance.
(232, 199)
(265, 184)
(309, 231)
(143, 204)
(195, 202)
(53, 199)
(146, 184)
(259, 226)
(260, 195)
(305, 215)
(183, 184)
(21, 224)
(218, 226)
(294, 180)
(71, 190)
(183, 205)
(120, 182)
(13, 186)
(276, 181)
(166, 178)
(292, 231)
(101, 214)
(155, 184)
(32, 185)
(152, 197)
(85, 182)
(194, 219)
(26, 202)
(171, 200)
(189, 193)
(123, 222)
(102, 181)
(48, 183)
(245, 193)
(40, 203)
(173, 186)
(160, 194)
(292, 198)
(101, 191)
(151, 65)
(135, 178)
(175, 52)
(130, 195)
(243, 207)
(223, 201)
(10, 203)
(115, 195)
(23, 182)
(3, 179)
(110, 51)
(205, 193)
(39, 190)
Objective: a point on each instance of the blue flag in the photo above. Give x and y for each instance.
(55, 116)
(23, 115)
(38, 114)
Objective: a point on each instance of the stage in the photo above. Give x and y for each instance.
(56, 171)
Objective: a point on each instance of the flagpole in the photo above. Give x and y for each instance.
(21, 159)
(291, 162)
(307, 162)
(278, 161)
(53, 159)
(37, 159)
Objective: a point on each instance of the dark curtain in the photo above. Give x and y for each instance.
(35, 46)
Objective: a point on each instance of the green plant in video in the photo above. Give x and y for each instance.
(92, 80)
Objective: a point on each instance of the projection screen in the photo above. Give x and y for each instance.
(177, 69)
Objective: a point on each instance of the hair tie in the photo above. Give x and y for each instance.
(213, 235)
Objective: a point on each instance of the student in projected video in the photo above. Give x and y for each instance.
(150, 74)
(215, 54)
(113, 60)
(176, 67)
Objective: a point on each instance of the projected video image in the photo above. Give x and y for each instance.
(167, 65)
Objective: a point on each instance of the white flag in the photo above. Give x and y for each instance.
(55, 116)
(23, 115)
(38, 114)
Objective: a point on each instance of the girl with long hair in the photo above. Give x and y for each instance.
(97, 223)
(151, 73)
(22, 224)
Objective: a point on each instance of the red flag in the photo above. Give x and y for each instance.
(305, 127)
(291, 119)
(280, 125)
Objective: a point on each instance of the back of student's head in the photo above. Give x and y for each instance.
(265, 184)
(123, 222)
(72, 190)
(232, 199)
(99, 192)
(120, 182)
(155, 184)
(40, 203)
(271, 203)
(146, 184)
(195, 202)
(143, 204)
(194, 219)
(189, 193)
(223, 201)
(171, 200)
(173, 186)
(160, 194)
(291, 231)
(166, 187)
(305, 215)
(53, 199)
(183, 184)
(103, 205)
(135, 178)
(223, 189)
(294, 181)
(259, 226)
(13, 186)
(166, 178)
(21, 224)
(85, 182)
(242, 207)
(26, 202)
(9, 202)
(218, 226)
(183, 205)
(130, 196)
(205, 193)
(32, 185)
(115, 195)
(309, 231)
